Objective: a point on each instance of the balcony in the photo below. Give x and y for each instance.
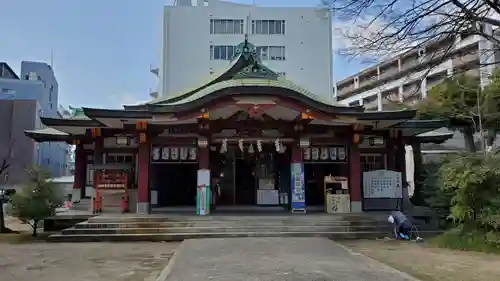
(154, 94)
(367, 81)
(388, 72)
(346, 89)
(154, 70)
(410, 91)
(464, 60)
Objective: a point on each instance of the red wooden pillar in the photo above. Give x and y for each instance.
(98, 160)
(143, 178)
(80, 177)
(296, 154)
(355, 178)
(203, 158)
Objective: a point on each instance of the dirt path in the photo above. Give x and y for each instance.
(431, 264)
(84, 261)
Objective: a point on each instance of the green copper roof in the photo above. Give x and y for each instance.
(47, 131)
(77, 113)
(254, 82)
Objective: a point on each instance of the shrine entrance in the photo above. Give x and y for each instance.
(245, 183)
(256, 178)
(173, 175)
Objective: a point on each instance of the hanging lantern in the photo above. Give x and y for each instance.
(250, 149)
(202, 143)
(355, 138)
(96, 132)
(143, 138)
(141, 126)
(204, 115)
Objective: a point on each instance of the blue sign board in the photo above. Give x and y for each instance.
(297, 188)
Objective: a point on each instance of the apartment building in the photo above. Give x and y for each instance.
(407, 77)
(24, 99)
(199, 39)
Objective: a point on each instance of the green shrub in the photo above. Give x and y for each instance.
(474, 182)
(466, 240)
(37, 199)
(434, 195)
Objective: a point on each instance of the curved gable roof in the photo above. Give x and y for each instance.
(246, 69)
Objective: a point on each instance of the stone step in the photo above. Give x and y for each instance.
(183, 236)
(270, 218)
(219, 223)
(216, 229)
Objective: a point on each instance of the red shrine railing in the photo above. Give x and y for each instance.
(110, 182)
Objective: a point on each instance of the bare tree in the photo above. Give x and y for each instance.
(5, 163)
(6, 160)
(389, 27)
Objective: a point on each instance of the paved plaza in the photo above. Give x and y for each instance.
(275, 259)
(84, 261)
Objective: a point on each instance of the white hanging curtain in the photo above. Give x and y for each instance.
(410, 169)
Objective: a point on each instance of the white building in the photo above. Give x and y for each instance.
(199, 39)
(408, 77)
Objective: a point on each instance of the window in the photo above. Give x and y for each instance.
(372, 162)
(354, 103)
(221, 52)
(226, 26)
(281, 74)
(51, 90)
(271, 52)
(119, 159)
(268, 27)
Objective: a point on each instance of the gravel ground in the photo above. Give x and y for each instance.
(431, 264)
(84, 261)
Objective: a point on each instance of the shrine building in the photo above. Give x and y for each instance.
(250, 135)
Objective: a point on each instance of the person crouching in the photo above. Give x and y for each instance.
(401, 225)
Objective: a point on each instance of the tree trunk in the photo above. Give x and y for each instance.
(491, 136)
(3, 229)
(469, 139)
(35, 227)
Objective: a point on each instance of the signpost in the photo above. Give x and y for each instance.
(203, 193)
(297, 188)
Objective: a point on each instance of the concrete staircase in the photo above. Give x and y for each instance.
(180, 227)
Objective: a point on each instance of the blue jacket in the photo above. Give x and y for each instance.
(399, 217)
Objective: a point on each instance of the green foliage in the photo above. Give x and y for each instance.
(37, 199)
(468, 240)
(454, 98)
(460, 99)
(474, 181)
(435, 196)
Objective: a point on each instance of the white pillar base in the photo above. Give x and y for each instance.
(356, 207)
(76, 195)
(142, 208)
